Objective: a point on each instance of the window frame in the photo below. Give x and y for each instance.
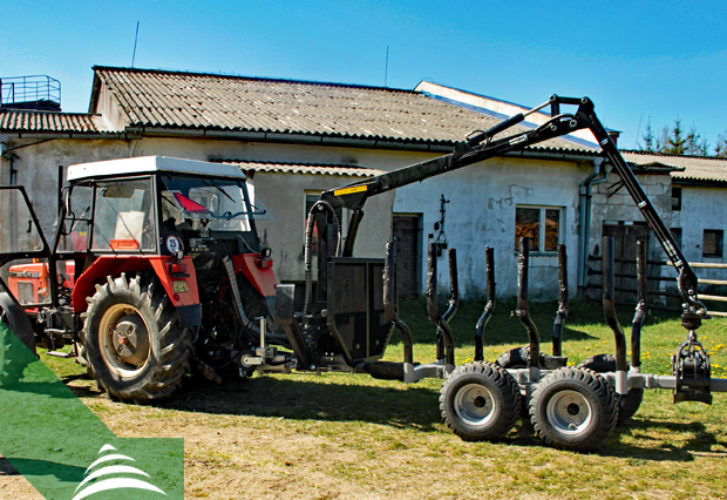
(676, 199)
(542, 210)
(720, 244)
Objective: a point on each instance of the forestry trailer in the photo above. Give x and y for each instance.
(156, 270)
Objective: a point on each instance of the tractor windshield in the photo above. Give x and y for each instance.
(220, 204)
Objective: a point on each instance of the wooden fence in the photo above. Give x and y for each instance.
(662, 293)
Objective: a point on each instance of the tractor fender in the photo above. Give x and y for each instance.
(178, 278)
(18, 320)
(258, 271)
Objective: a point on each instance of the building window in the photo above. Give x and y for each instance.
(676, 198)
(541, 225)
(712, 243)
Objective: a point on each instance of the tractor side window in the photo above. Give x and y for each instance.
(77, 223)
(123, 216)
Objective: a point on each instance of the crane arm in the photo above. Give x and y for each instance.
(482, 145)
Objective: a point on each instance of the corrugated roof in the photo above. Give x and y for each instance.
(169, 99)
(304, 168)
(39, 121)
(703, 169)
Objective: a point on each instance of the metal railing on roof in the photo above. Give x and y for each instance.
(41, 89)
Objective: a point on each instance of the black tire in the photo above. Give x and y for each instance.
(627, 405)
(573, 409)
(480, 401)
(518, 358)
(136, 348)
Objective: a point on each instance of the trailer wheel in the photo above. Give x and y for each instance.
(480, 401)
(518, 358)
(629, 404)
(573, 409)
(135, 345)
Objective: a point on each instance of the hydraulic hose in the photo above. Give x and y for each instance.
(230, 270)
(308, 254)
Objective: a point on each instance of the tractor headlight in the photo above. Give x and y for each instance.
(175, 246)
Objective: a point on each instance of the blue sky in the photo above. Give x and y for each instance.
(639, 61)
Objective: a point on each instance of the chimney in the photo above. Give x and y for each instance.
(613, 134)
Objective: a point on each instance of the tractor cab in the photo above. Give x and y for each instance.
(155, 205)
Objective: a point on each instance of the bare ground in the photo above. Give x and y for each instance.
(341, 436)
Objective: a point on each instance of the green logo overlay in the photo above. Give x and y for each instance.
(50, 437)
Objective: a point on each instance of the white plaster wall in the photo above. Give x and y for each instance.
(702, 208)
(481, 212)
(482, 208)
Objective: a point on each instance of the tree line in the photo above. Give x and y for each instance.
(678, 141)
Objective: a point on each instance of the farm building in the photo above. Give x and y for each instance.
(295, 139)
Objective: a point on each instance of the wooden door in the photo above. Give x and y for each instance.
(624, 253)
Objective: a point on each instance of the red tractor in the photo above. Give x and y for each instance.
(155, 268)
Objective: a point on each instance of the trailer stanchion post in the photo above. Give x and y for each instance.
(489, 307)
(641, 310)
(562, 312)
(452, 306)
(522, 311)
(390, 302)
(444, 331)
(609, 311)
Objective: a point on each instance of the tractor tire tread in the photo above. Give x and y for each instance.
(169, 364)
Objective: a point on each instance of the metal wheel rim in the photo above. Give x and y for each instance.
(474, 405)
(569, 412)
(109, 354)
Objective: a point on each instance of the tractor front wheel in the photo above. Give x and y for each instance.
(480, 401)
(135, 345)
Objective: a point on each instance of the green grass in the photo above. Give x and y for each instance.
(345, 436)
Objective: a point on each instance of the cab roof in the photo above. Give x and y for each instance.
(151, 164)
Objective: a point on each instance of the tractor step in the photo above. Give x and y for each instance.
(59, 354)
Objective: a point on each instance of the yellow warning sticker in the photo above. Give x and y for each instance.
(350, 190)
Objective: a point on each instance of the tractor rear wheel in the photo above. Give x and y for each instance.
(136, 348)
(629, 404)
(480, 401)
(573, 409)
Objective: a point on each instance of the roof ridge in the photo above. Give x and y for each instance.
(672, 155)
(47, 112)
(299, 163)
(233, 76)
